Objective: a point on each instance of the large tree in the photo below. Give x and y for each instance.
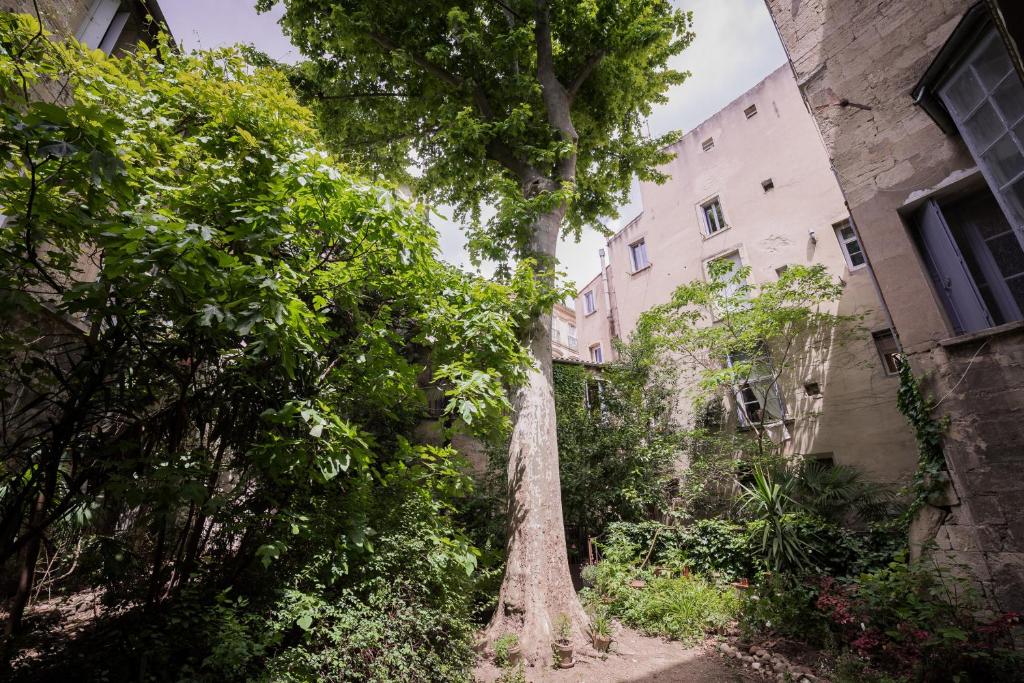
(534, 108)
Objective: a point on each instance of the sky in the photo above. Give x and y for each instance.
(735, 47)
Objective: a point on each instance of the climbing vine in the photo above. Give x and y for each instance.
(928, 432)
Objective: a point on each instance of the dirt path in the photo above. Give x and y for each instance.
(635, 659)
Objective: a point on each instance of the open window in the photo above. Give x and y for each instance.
(973, 243)
(638, 255)
(755, 391)
(712, 216)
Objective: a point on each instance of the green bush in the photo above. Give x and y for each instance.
(680, 607)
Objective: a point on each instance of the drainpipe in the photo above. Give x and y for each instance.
(607, 298)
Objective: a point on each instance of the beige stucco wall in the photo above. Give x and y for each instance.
(594, 328)
(888, 152)
(563, 333)
(855, 418)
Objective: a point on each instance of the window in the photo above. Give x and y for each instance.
(888, 351)
(103, 25)
(714, 219)
(751, 111)
(781, 270)
(985, 98)
(756, 393)
(975, 259)
(588, 302)
(595, 354)
(767, 185)
(708, 144)
(823, 460)
(556, 336)
(850, 245)
(972, 243)
(572, 341)
(593, 395)
(734, 262)
(638, 255)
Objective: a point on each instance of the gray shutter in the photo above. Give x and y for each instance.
(97, 21)
(114, 32)
(966, 307)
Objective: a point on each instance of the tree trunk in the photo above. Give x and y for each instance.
(537, 587)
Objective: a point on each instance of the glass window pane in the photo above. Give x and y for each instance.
(1004, 160)
(1007, 253)
(993, 63)
(1009, 97)
(857, 257)
(984, 127)
(963, 94)
(1015, 198)
(1016, 286)
(847, 233)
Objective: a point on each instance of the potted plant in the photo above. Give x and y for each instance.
(507, 651)
(601, 631)
(562, 646)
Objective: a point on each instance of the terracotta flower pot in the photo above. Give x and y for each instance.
(563, 655)
(601, 643)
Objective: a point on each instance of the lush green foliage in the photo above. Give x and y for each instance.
(467, 90)
(928, 432)
(213, 340)
(668, 603)
(617, 440)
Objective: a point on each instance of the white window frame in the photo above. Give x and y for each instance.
(589, 303)
(639, 249)
(765, 388)
(844, 243)
(720, 222)
(1011, 131)
(596, 353)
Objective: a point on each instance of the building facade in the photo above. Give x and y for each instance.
(112, 26)
(752, 184)
(920, 104)
(564, 343)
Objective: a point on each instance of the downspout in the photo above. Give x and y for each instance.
(607, 302)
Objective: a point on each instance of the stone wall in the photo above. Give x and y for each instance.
(856, 62)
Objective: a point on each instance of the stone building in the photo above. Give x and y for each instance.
(752, 184)
(108, 25)
(564, 344)
(920, 104)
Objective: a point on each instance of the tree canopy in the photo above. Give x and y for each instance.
(214, 343)
(462, 90)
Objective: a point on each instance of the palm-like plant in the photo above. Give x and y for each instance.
(769, 500)
(835, 491)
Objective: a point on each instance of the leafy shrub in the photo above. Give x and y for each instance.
(784, 604)
(680, 607)
(394, 635)
(914, 618)
(502, 646)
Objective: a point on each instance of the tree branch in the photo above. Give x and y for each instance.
(584, 73)
(421, 61)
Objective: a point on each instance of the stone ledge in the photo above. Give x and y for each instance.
(999, 330)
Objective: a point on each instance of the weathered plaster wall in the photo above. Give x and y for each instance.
(593, 328)
(887, 152)
(855, 417)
